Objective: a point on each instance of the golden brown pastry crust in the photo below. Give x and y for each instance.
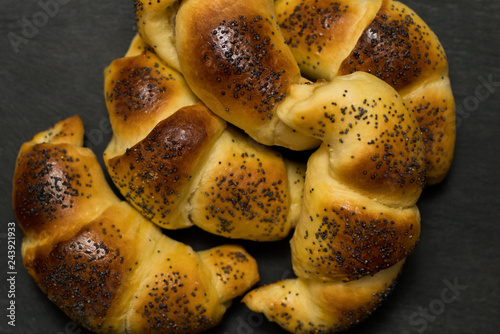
(101, 261)
(241, 68)
(156, 173)
(312, 306)
(321, 34)
(385, 135)
(389, 40)
(381, 37)
(190, 167)
(381, 104)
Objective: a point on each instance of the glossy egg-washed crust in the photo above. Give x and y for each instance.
(316, 307)
(139, 89)
(242, 68)
(359, 216)
(112, 271)
(384, 38)
(187, 166)
(381, 104)
(100, 260)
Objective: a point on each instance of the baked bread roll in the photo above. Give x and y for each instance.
(238, 76)
(359, 219)
(314, 306)
(100, 261)
(359, 210)
(389, 40)
(381, 105)
(240, 61)
(366, 81)
(181, 165)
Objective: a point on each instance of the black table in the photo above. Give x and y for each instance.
(53, 69)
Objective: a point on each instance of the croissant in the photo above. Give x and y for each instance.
(181, 165)
(359, 219)
(241, 58)
(367, 82)
(100, 261)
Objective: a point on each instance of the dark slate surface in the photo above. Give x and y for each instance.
(56, 72)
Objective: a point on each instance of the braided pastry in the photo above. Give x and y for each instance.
(381, 108)
(180, 164)
(103, 263)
